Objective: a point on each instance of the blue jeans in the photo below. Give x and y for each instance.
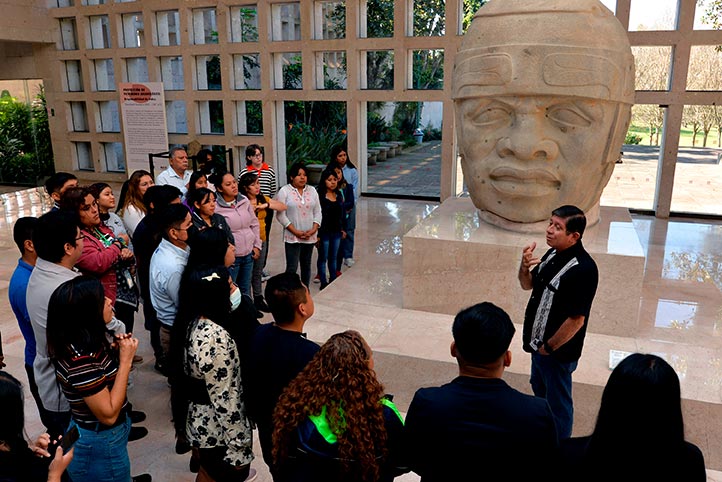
(299, 253)
(552, 380)
(101, 456)
(242, 272)
(327, 251)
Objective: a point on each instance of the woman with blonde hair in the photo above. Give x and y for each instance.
(131, 207)
(333, 421)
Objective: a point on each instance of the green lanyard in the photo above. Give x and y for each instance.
(104, 238)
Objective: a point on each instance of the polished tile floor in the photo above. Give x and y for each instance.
(681, 316)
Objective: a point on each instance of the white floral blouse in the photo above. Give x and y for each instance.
(212, 356)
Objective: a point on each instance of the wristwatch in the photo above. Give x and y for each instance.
(547, 348)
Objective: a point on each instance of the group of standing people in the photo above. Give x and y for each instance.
(321, 412)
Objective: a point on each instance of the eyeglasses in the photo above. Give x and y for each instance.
(82, 236)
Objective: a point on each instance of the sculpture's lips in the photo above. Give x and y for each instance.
(526, 182)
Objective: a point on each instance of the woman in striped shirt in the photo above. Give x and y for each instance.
(94, 378)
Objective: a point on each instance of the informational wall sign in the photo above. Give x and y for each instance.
(144, 125)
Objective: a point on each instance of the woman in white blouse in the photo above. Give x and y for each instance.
(300, 221)
(132, 209)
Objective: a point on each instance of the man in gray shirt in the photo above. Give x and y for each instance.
(59, 244)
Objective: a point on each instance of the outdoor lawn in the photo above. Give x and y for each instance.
(685, 138)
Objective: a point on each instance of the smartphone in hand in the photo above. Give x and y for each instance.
(69, 439)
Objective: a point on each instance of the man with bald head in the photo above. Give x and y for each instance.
(543, 92)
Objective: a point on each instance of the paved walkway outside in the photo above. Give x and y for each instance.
(698, 177)
(415, 172)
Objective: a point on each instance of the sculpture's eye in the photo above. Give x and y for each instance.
(492, 115)
(567, 115)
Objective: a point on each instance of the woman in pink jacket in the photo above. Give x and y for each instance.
(242, 220)
(104, 256)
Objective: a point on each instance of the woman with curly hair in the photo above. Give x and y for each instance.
(131, 207)
(333, 421)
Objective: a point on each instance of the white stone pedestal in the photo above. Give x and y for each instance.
(452, 260)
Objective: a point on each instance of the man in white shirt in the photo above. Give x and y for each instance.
(166, 268)
(177, 174)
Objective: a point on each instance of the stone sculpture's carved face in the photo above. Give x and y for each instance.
(522, 155)
(543, 92)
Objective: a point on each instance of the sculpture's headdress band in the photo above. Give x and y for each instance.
(547, 70)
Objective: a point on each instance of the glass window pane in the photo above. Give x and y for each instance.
(249, 117)
(377, 19)
(286, 21)
(167, 25)
(137, 69)
(208, 72)
(705, 68)
(113, 155)
(93, 2)
(175, 115)
(707, 15)
(133, 31)
(171, 72)
(470, 8)
(109, 116)
(310, 138)
(244, 24)
(205, 29)
(652, 66)
(73, 76)
(634, 180)
(332, 75)
(99, 32)
(429, 18)
(69, 33)
(83, 156)
(330, 20)
(288, 71)
(211, 116)
(66, 3)
(427, 69)
(697, 183)
(390, 128)
(78, 117)
(661, 15)
(104, 74)
(379, 67)
(247, 72)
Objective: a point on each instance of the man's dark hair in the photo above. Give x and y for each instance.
(574, 218)
(52, 231)
(56, 182)
(172, 216)
(23, 230)
(160, 196)
(482, 333)
(284, 292)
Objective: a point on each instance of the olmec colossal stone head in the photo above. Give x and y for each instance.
(542, 92)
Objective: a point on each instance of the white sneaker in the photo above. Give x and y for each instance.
(349, 262)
